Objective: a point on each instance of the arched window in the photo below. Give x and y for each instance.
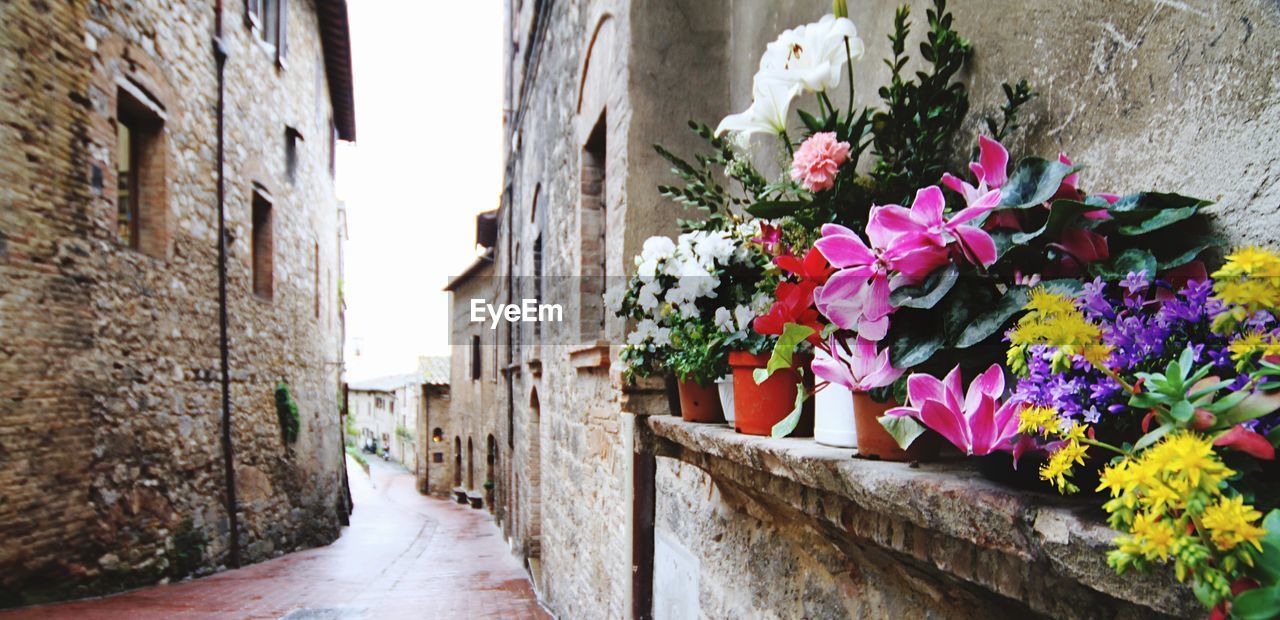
(457, 461)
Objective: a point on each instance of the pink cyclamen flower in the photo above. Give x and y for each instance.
(857, 296)
(924, 224)
(991, 171)
(859, 367)
(974, 421)
(818, 160)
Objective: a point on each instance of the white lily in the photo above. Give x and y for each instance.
(771, 101)
(813, 55)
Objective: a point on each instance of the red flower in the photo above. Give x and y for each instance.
(794, 305)
(812, 268)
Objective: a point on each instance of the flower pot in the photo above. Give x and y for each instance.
(673, 394)
(700, 403)
(876, 443)
(725, 386)
(833, 423)
(757, 408)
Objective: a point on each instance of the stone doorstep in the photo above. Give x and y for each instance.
(1046, 551)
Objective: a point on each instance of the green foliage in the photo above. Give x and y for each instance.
(1263, 603)
(702, 189)
(783, 356)
(287, 413)
(186, 555)
(698, 353)
(922, 113)
(404, 434)
(1015, 97)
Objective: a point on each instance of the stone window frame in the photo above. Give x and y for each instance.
(268, 25)
(262, 243)
(292, 153)
(598, 87)
(126, 73)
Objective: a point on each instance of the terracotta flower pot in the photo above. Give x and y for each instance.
(757, 408)
(700, 403)
(876, 443)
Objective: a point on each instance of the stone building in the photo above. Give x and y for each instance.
(623, 514)
(471, 427)
(432, 414)
(385, 413)
(114, 470)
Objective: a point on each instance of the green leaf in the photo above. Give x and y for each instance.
(773, 209)
(1252, 407)
(1183, 411)
(1151, 438)
(1154, 201)
(792, 335)
(788, 424)
(991, 321)
(810, 121)
(913, 349)
(1156, 221)
(1257, 604)
(1199, 245)
(1034, 181)
(1131, 260)
(1269, 560)
(904, 428)
(1061, 213)
(927, 293)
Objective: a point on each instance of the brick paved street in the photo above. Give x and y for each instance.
(404, 556)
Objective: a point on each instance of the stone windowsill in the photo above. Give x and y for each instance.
(1046, 551)
(590, 356)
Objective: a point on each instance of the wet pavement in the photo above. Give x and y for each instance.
(404, 556)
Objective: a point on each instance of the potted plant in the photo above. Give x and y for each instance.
(697, 359)
(852, 370)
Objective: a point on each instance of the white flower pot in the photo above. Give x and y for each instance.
(725, 385)
(833, 423)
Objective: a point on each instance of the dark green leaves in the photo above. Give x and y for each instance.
(773, 209)
(927, 293)
(1133, 260)
(1061, 213)
(1145, 212)
(993, 320)
(1033, 181)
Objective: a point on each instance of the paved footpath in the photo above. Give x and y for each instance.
(404, 556)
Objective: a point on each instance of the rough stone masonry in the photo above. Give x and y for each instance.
(111, 468)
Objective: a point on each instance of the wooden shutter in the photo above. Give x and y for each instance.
(282, 25)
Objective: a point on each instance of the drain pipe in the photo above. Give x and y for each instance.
(228, 453)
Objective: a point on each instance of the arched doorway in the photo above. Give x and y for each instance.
(457, 462)
(533, 475)
(490, 472)
(471, 466)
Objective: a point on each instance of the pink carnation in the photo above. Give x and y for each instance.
(817, 161)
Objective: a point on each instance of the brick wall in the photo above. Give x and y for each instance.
(110, 464)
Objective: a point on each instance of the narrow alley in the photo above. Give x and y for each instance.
(404, 556)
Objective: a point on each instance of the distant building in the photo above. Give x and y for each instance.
(385, 414)
(113, 468)
(432, 420)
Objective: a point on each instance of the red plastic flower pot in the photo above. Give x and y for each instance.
(700, 403)
(876, 443)
(757, 408)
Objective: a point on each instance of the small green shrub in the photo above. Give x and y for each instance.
(287, 412)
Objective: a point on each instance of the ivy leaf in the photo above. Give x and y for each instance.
(928, 293)
(991, 321)
(792, 335)
(788, 424)
(773, 209)
(1034, 181)
(904, 428)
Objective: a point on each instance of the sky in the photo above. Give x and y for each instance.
(428, 158)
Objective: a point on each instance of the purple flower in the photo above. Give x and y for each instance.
(1135, 283)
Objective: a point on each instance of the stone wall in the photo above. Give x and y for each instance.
(111, 471)
(472, 425)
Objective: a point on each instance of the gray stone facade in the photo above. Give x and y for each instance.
(1175, 96)
(111, 467)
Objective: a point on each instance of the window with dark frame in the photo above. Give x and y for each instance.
(476, 366)
(269, 19)
(291, 139)
(263, 250)
(139, 156)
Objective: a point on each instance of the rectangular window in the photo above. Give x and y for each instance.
(140, 184)
(592, 234)
(475, 358)
(270, 31)
(263, 248)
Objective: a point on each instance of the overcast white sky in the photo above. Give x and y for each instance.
(428, 91)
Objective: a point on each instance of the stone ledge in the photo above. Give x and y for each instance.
(1043, 551)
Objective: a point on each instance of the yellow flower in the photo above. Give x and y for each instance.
(1191, 456)
(1050, 304)
(1037, 420)
(1153, 536)
(1252, 343)
(1249, 281)
(1060, 465)
(1231, 522)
